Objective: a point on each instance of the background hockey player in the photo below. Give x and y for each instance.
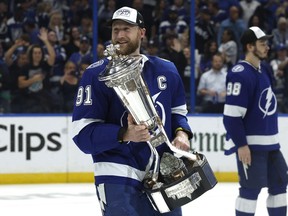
(250, 118)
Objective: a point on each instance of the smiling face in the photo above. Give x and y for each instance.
(127, 36)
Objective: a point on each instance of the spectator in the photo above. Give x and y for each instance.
(56, 24)
(16, 58)
(85, 62)
(204, 29)
(282, 9)
(267, 14)
(60, 58)
(146, 12)
(42, 14)
(248, 8)
(157, 14)
(56, 71)
(15, 24)
(210, 49)
(233, 22)
(228, 48)
(20, 45)
(74, 41)
(14, 68)
(187, 76)
(100, 53)
(226, 4)
(33, 80)
(278, 65)
(255, 21)
(103, 16)
(172, 24)
(212, 86)
(285, 92)
(69, 85)
(24, 5)
(86, 26)
(217, 14)
(153, 47)
(172, 51)
(3, 22)
(31, 29)
(84, 50)
(180, 8)
(75, 12)
(4, 89)
(280, 34)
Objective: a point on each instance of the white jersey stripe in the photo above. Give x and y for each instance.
(263, 139)
(77, 126)
(181, 110)
(255, 140)
(234, 111)
(115, 169)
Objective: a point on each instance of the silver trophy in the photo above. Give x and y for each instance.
(176, 179)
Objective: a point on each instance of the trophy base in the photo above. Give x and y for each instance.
(199, 179)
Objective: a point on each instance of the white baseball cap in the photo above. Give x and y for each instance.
(253, 34)
(129, 15)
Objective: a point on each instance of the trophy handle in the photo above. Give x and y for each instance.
(155, 173)
(176, 150)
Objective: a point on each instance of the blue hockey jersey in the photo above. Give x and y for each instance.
(99, 114)
(250, 112)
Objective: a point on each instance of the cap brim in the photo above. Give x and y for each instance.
(109, 23)
(266, 37)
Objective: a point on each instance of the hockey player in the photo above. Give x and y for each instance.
(250, 119)
(104, 129)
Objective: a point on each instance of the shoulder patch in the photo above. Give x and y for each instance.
(237, 68)
(96, 64)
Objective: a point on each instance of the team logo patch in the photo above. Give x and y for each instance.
(267, 102)
(237, 68)
(124, 13)
(96, 64)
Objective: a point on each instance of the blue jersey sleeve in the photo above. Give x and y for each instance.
(91, 108)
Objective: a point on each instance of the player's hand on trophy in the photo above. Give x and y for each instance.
(136, 133)
(181, 141)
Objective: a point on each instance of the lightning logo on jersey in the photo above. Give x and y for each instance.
(267, 102)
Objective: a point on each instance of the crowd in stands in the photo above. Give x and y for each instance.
(45, 46)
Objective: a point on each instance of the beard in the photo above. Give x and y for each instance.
(128, 48)
(258, 55)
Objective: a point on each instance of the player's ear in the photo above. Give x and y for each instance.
(142, 32)
(250, 46)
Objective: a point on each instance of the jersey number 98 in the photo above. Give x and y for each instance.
(233, 88)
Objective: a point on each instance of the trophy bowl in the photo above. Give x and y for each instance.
(189, 184)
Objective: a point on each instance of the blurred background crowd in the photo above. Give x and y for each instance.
(45, 46)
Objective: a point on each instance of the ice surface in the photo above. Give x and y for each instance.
(80, 199)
